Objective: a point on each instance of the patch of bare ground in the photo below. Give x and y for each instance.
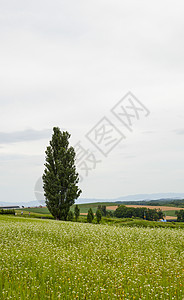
(163, 208)
(171, 218)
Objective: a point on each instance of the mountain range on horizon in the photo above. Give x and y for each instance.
(136, 197)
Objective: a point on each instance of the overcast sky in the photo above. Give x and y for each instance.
(67, 64)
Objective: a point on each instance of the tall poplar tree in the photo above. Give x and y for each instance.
(60, 177)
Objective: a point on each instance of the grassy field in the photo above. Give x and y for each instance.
(48, 259)
(170, 211)
(38, 210)
(83, 208)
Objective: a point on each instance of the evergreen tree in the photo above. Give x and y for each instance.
(77, 212)
(70, 216)
(98, 215)
(60, 178)
(90, 216)
(104, 210)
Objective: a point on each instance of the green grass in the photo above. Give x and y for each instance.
(83, 208)
(130, 222)
(39, 210)
(86, 206)
(32, 214)
(48, 259)
(170, 213)
(43, 212)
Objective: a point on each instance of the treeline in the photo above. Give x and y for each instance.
(179, 203)
(143, 213)
(128, 212)
(180, 215)
(7, 212)
(160, 202)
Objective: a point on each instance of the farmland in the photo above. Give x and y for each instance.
(169, 211)
(48, 259)
(164, 208)
(43, 211)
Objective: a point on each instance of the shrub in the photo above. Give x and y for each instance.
(7, 212)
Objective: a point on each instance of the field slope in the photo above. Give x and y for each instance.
(36, 211)
(48, 259)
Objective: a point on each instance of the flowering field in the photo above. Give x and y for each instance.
(47, 259)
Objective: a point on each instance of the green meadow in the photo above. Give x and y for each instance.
(83, 208)
(48, 259)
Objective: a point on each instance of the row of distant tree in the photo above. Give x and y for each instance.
(90, 216)
(7, 212)
(159, 202)
(121, 212)
(125, 212)
(139, 212)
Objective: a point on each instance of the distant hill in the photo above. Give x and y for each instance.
(31, 203)
(137, 197)
(154, 196)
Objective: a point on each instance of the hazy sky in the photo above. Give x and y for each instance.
(67, 64)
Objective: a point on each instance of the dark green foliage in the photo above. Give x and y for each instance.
(60, 178)
(76, 212)
(160, 214)
(90, 216)
(7, 212)
(140, 212)
(180, 215)
(153, 215)
(103, 210)
(98, 215)
(70, 216)
(109, 214)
